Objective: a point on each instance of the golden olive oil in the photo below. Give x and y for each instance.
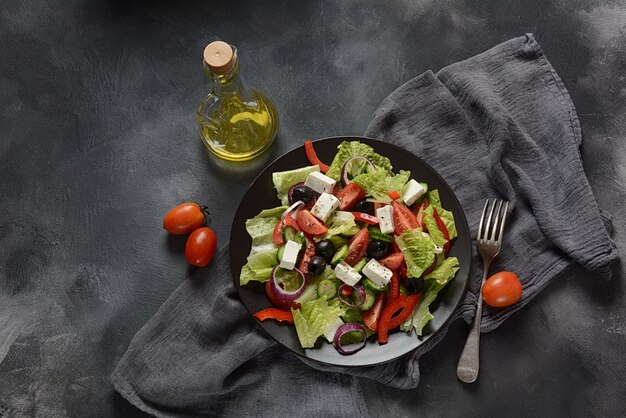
(236, 122)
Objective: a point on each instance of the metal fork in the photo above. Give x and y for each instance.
(488, 242)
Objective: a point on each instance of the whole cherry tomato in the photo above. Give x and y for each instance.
(502, 289)
(184, 218)
(200, 247)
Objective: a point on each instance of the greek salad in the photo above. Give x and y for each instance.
(353, 252)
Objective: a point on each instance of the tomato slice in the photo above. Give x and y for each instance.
(276, 301)
(350, 195)
(392, 261)
(277, 235)
(274, 313)
(311, 155)
(357, 246)
(309, 223)
(418, 210)
(366, 217)
(403, 218)
(372, 315)
(309, 252)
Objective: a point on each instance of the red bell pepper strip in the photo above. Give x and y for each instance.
(366, 217)
(443, 229)
(394, 194)
(311, 155)
(394, 288)
(404, 305)
(274, 313)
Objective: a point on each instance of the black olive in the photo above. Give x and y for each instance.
(325, 248)
(377, 249)
(317, 265)
(303, 193)
(365, 207)
(415, 285)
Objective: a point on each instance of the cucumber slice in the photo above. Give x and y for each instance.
(340, 254)
(327, 288)
(375, 234)
(368, 284)
(300, 239)
(281, 251)
(359, 266)
(370, 298)
(289, 233)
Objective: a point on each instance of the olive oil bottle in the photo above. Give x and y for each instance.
(236, 122)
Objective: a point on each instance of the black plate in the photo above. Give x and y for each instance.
(261, 195)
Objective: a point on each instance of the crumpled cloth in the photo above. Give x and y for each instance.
(500, 124)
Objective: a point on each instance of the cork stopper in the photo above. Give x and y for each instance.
(219, 57)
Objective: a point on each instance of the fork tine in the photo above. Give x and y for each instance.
(506, 209)
(482, 219)
(494, 228)
(487, 227)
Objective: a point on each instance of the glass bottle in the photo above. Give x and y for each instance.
(236, 122)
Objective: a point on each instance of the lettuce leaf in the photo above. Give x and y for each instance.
(431, 225)
(259, 266)
(262, 226)
(283, 180)
(349, 149)
(446, 216)
(340, 222)
(312, 319)
(377, 183)
(435, 281)
(418, 250)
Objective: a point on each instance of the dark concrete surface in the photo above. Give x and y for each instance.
(98, 141)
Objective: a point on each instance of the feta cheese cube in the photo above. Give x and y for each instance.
(377, 273)
(290, 256)
(385, 214)
(320, 182)
(331, 330)
(347, 274)
(412, 191)
(326, 204)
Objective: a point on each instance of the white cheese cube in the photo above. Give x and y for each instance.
(347, 274)
(290, 256)
(385, 214)
(412, 191)
(326, 204)
(438, 249)
(377, 273)
(319, 182)
(331, 330)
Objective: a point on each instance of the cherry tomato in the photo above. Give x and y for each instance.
(403, 218)
(309, 223)
(184, 218)
(502, 289)
(357, 246)
(371, 316)
(276, 301)
(200, 247)
(392, 261)
(350, 195)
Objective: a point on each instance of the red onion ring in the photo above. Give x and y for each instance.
(283, 294)
(295, 207)
(344, 170)
(358, 289)
(344, 329)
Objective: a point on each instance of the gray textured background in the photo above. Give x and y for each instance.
(98, 141)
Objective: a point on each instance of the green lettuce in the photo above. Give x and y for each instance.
(435, 281)
(349, 149)
(446, 216)
(340, 222)
(312, 319)
(418, 250)
(433, 229)
(259, 266)
(379, 182)
(283, 180)
(263, 254)
(262, 226)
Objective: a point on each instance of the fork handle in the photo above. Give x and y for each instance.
(467, 369)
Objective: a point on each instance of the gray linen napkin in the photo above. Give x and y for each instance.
(500, 124)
